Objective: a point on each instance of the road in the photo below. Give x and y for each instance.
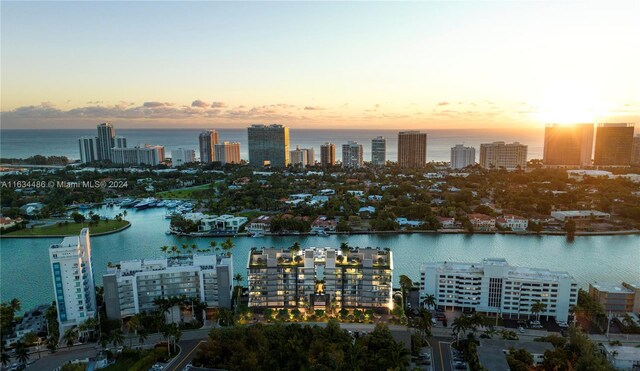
(188, 350)
(441, 353)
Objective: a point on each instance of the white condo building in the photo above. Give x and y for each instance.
(494, 286)
(73, 283)
(147, 155)
(352, 154)
(510, 156)
(131, 286)
(182, 156)
(302, 157)
(88, 149)
(462, 156)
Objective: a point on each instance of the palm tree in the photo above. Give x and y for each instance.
(194, 247)
(5, 358)
(295, 248)
(344, 248)
(142, 336)
(117, 337)
(15, 305)
(69, 336)
(164, 248)
(213, 245)
(459, 325)
(22, 353)
(538, 307)
(429, 301)
(227, 246)
(124, 214)
(398, 353)
(185, 247)
(174, 249)
(405, 285)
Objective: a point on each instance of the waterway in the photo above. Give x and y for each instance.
(25, 272)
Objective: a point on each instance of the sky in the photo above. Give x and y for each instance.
(410, 65)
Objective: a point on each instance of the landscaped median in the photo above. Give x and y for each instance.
(70, 228)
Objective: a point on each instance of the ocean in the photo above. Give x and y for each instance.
(64, 142)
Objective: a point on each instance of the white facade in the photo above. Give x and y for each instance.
(302, 157)
(73, 283)
(147, 155)
(462, 156)
(513, 222)
(88, 149)
(227, 152)
(222, 223)
(580, 215)
(510, 156)
(379, 151)
(182, 156)
(494, 286)
(132, 286)
(352, 155)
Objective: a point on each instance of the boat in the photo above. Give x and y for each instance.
(144, 203)
(171, 204)
(84, 206)
(322, 234)
(257, 234)
(161, 204)
(127, 202)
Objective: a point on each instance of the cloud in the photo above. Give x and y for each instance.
(313, 108)
(156, 104)
(199, 103)
(218, 105)
(443, 103)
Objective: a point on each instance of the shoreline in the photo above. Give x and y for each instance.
(444, 232)
(64, 235)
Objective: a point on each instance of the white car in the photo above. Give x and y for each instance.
(521, 330)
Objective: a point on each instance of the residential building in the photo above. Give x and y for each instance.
(622, 357)
(207, 141)
(492, 353)
(6, 223)
(482, 222)
(261, 224)
(352, 153)
(33, 321)
(320, 278)
(147, 155)
(494, 286)
(613, 297)
(462, 156)
(404, 223)
(446, 223)
(412, 149)
(513, 222)
(580, 215)
(222, 223)
(635, 287)
(635, 151)
(614, 143)
(378, 151)
(227, 152)
(268, 145)
(132, 286)
(568, 145)
(323, 224)
(499, 155)
(302, 157)
(182, 156)
(88, 149)
(106, 141)
(328, 154)
(73, 284)
(120, 142)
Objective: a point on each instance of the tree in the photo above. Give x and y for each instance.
(22, 352)
(405, 285)
(227, 246)
(70, 336)
(95, 218)
(345, 248)
(459, 325)
(52, 343)
(6, 360)
(117, 338)
(295, 248)
(164, 248)
(424, 322)
(77, 217)
(538, 307)
(519, 359)
(429, 301)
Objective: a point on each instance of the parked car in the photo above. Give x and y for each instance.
(521, 330)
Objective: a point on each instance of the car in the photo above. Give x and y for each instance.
(521, 330)
(434, 321)
(460, 365)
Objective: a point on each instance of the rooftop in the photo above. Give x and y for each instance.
(611, 288)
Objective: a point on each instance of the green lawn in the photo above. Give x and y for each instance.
(71, 229)
(182, 193)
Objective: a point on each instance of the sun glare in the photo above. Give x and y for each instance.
(570, 106)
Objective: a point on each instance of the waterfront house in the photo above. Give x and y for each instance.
(482, 222)
(261, 224)
(323, 224)
(8, 222)
(222, 223)
(446, 223)
(580, 215)
(512, 222)
(404, 222)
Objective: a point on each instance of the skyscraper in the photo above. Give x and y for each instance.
(73, 284)
(268, 145)
(568, 145)
(412, 149)
(182, 156)
(462, 156)
(147, 155)
(352, 155)
(302, 156)
(106, 141)
(88, 149)
(328, 154)
(120, 142)
(208, 139)
(498, 155)
(379, 151)
(228, 152)
(635, 151)
(613, 145)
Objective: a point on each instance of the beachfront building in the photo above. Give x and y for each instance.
(182, 156)
(328, 154)
(105, 141)
(614, 144)
(462, 156)
(494, 286)
(88, 149)
(207, 141)
(568, 145)
(131, 287)
(303, 157)
(580, 215)
(512, 222)
(352, 155)
(412, 149)
(73, 285)
(98, 148)
(482, 222)
(147, 155)
(614, 298)
(320, 278)
(378, 151)
(497, 155)
(268, 145)
(227, 152)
